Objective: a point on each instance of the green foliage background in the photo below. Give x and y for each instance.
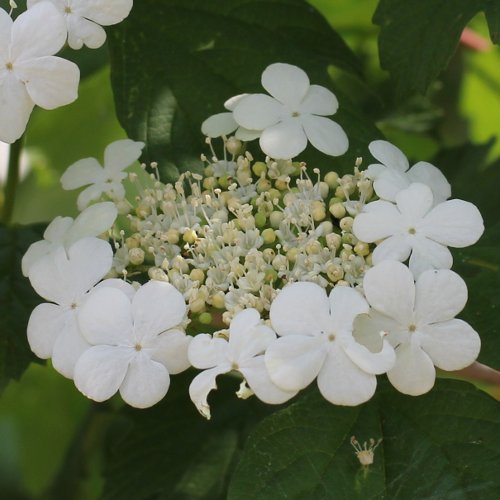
(171, 64)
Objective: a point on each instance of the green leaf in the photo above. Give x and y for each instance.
(444, 444)
(170, 78)
(171, 452)
(17, 300)
(418, 37)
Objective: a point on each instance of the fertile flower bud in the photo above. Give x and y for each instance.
(136, 256)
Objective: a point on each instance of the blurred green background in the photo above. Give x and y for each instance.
(40, 413)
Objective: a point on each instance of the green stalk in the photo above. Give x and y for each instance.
(12, 181)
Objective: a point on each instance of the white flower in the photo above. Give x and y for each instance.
(317, 341)
(225, 124)
(391, 175)
(413, 226)
(136, 343)
(64, 277)
(293, 115)
(248, 339)
(29, 72)
(64, 231)
(108, 179)
(420, 320)
(84, 17)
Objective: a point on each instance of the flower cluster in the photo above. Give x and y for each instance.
(291, 276)
(30, 73)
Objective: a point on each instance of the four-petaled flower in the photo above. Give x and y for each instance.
(391, 175)
(420, 321)
(243, 352)
(135, 344)
(413, 226)
(316, 341)
(29, 72)
(84, 19)
(294, 114)
(108, 179)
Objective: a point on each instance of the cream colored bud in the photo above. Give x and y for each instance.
(313, 247)
(346, 252)
(205, 318)
(268, 254)
(346, 223)
(337, 210)
(349, 239)
(172, 236)
(208, 171)
(143, 210)
(209, 183)
(269, 236)
(274, 194)
(333, 241)
(362, 249)
(331, 178)
(197, 306)
(280, 262)
(323, 189)
(189, 236)
(334, 272)
(218, 300)
(281, 184)
(318, 210)
(233, 145)
(123, 207)
(275, 219)
(157, 274)
(326, 227)
(259, 168)
(180, 264)
(291, 255)
(132, 242)
(263, 185)
(260, 220)
(197, 275)
(270, 275)
(136, 256)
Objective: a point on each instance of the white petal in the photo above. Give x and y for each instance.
(454, 223)
(294, 361)
(325, 135)
(378, 220)
(171, 349)
(5, 30)
(368, 327)
(428, 254)
(82, 31)
(57, 230)
(374, 363)
(40, 31)
(106, 317)
(89, 194)
(105, 12)
(93, 221)
(389, 155)
(319, 101)
(219, 124)
(428, 174)
(63, 277)
(341, 382)
(452, 345)
(245, 134)
(285, 140)
(146, 382)
(68, 347)
(15, 109)
(389, 183)
(232, 102)
(201, 386)
(50, 81)
(46, 322)
(414, 202)
(120, 284)
(286, 82)
(300, 309)
(393, 248)
(207, 352)
(413, 373)
(345, 304)
(35, 252)
(258, 380)
(100, 371)
(157, 306)
(440, 296)
(81, 173)
(121, 154)
(389, 288)
(257, 111)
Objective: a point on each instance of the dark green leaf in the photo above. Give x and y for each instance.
(493, 17)
(174, 63)
(444, 444)
(171, 452)
(17, 300)
(418, 37)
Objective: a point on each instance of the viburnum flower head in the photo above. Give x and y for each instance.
(420, 321)
(64, 277)
(64, 231)
(84, 19)
(415, 228)
(243, 352)
(316, 341)
(391, 175)
(136, 344)
(103, 180)
(29, 72)
(293, 114)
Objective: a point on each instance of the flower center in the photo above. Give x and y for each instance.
(234, 366)
(138, 347)
(9, 66)
(412, 230)
(295, 114)
(412, 328)
(67, 9)
(331, 337)
(73, 306)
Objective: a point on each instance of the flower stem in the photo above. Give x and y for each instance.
(12, 181)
